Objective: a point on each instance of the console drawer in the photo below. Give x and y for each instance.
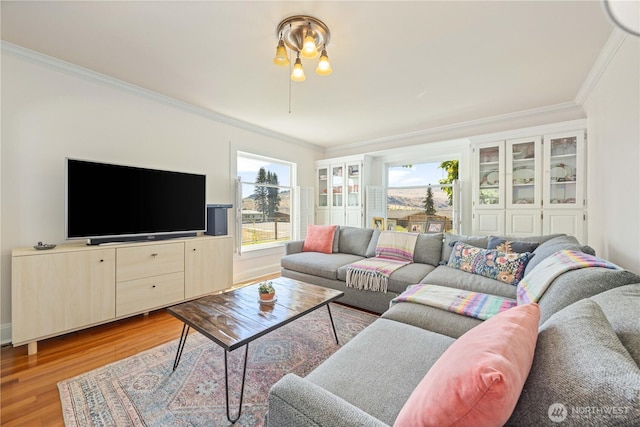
(135, 296)
(149, 260)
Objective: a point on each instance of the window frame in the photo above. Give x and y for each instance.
(291, 187)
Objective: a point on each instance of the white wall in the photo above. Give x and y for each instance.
(49, 113)
(613, 156)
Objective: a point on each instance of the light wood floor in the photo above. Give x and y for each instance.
(29, 393)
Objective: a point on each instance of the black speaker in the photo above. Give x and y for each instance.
(217, 220)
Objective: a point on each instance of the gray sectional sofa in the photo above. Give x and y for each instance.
(584, 370)
(431, 252)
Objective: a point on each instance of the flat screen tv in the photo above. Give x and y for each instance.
(111, 203)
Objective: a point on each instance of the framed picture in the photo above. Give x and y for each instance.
(416, 227)
(435, 226)
(377, 223)
(391, 224)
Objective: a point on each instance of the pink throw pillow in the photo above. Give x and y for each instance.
(479, 378)
(319, 238)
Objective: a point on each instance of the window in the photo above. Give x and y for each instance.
(265, 191)
(420, 197)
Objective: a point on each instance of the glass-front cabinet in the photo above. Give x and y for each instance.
(490, 171)
(353, 184)
(339, 192)
(564, 175)
(323, 187)
(488, 188)
(337, 186)
(524, 159)
(538, 187)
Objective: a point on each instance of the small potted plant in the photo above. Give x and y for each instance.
(266, 291)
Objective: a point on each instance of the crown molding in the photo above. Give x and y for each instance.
(606, 55)
(468, 125)
(85, 73)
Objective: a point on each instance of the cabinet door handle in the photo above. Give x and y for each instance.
(194, 249)
(153, 286)
(101, 260)
(154, 255)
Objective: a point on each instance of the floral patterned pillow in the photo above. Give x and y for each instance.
(491, 263)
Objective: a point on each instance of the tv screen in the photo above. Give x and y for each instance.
(112, 201)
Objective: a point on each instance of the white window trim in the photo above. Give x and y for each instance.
(292, 212)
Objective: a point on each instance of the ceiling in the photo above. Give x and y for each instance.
(398, 67)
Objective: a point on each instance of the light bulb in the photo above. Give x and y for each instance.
(281, 58)
(324, 67)
(297, 75)
(309, 49)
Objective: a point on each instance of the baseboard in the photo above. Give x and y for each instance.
(255, 273)
(5, 334)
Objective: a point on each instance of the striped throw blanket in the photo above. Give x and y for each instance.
(467, 303)
(393, 250)
(535, 283)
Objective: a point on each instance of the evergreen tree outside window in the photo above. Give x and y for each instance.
(429, 207)
(266, 199)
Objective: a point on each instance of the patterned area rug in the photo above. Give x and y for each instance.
(142, 390)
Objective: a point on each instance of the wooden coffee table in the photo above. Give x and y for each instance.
(235, 318)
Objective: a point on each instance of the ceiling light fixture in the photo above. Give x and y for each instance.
(306, 36)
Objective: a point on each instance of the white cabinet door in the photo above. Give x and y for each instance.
(323, 199)
(564, 177)
(488, 188)
(523, 173)
(486, 222)
(522, 222)
(339, 187)
(571, 222)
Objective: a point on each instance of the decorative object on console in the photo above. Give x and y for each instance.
(44, 246)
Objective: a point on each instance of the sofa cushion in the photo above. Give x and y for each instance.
(431, 318)
(354, 241)
(620, 305)
(482, 389)
(447, 276)
(336, 241)
(575, 285)
(505, 267)
(554, 245)
(450, 239)
(410, 274)
(371, 249)
(317, 264)
(379, 368)
(428, 248)
(319, 238)
(580, 364)
(508, 245)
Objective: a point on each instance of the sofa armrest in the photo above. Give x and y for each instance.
(293, 247)
(294, 401)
